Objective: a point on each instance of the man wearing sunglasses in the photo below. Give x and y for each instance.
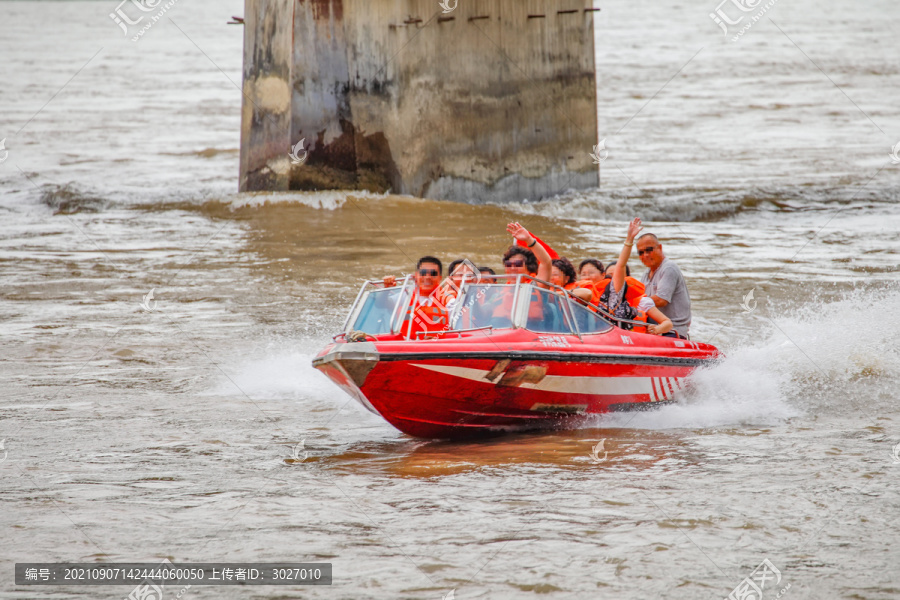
(664, 282)
(427, 276)
(425, 312)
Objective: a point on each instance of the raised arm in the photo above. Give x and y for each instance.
(545, 263)
(618, 279)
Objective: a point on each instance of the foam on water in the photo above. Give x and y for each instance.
(325, 200)
(802, 360)
(687, 204)
(283, 371)
(847, 339)
(745, 388)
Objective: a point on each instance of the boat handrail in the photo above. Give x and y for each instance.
(456, 312)
(513, 310)
(600, 311)
(397, 305)
(456, 331)
(567, 307)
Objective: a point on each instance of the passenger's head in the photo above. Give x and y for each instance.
(428, 274)
(453, 265)
(612, 267)
(649, 249)
(486, 271)
(520, 261)
(591, 269)
(563, 272)
(460, 269)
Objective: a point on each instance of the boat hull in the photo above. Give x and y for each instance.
(466, 388)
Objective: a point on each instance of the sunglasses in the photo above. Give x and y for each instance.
(513, 263)
(646, 250)
(429, 272)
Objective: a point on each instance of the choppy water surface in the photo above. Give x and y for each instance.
(134, 435)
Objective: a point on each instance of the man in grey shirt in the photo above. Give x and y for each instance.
(665, 283)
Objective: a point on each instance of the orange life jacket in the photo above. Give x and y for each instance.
(535, 306)
(444, 295)
(636, 291)
(641, 316)
(633, 293)
(586, 284)
(597, 290)
(430, 316)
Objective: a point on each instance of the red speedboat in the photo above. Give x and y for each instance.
(514, 356)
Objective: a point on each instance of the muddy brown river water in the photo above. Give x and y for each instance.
(137, 433)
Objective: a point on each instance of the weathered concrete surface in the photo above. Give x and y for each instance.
(495, 100)
(266, 107)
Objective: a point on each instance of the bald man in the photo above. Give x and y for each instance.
(664, 283)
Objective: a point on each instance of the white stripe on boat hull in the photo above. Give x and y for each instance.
(604, 386)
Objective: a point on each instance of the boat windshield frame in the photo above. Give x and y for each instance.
(397, 312)
(525, 286)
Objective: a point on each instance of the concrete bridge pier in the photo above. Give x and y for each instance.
(495, 100)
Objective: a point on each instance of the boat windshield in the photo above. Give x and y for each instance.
(484, 306)
(549, 312)
(587, 320)
(381, 311)
(374, 316)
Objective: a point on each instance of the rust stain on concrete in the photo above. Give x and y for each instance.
(325, 9)
(354, 160)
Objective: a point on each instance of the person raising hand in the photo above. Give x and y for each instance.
(532, 260)
(614, 298)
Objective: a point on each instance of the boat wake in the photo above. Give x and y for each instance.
(813, 358)
(282, 372)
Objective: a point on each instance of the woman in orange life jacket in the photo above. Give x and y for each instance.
(590, 272)
(532, 260)
(635, 291)
(614, 298)
(634, 295)
(424, 312)
(597, 284)
(563, 273)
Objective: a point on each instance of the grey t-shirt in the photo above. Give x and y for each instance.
(668, 283)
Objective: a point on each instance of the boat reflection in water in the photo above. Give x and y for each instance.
(515, 354)
(589, 450)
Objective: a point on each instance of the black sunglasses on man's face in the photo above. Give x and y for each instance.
(428, 272)
(513, 263)
(646, 250)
